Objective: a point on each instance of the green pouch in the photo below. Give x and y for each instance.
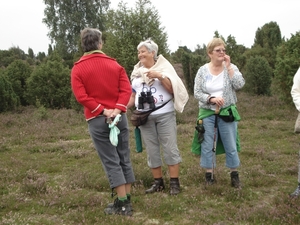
(138, 140)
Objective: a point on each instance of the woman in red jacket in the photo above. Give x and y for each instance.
(102, 86)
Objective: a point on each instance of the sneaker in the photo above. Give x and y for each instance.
(110, 205)
(174, 187)
(235, 181)
(119, 208)
(208, 178)
(157, 186)
(296, 193)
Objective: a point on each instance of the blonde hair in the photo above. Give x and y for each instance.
(213, 43)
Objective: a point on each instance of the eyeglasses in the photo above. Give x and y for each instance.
(220, 50)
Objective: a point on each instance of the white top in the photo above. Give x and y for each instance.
(164, 67)
(295, 92)
(159, 93)
(214, 85)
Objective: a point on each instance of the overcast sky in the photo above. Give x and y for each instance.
(187, 23)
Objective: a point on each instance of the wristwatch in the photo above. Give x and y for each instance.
(163, 76)
(209, 102)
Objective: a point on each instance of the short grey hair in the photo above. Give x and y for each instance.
(150, 45)
(90, 39)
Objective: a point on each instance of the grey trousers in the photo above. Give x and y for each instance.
(115, 160)
(299, 169)
(160, 131)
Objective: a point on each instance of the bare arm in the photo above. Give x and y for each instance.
(131, 100)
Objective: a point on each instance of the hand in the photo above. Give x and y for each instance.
(114, 112)
(111, 114)
(151, 74)
(107, 112)
(219, 101)
(227, 61)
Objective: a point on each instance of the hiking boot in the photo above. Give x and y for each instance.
(296, 193)
(209, 179)
(112, 203)
(157, 186)
(235, 181)
(119, 208)
(174, 186)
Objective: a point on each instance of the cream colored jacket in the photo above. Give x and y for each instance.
(164, 67)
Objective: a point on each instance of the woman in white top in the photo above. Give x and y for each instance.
(155, 82)
(295, 92)
(215, 86)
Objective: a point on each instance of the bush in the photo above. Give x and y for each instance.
(259, 76)
(49, 84)
(287, 64)
(17, 73)
(9, 100)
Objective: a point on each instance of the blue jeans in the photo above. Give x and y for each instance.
(227, 131)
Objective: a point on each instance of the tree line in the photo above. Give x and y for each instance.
(43, 79)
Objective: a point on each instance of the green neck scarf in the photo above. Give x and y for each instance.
(94, 51)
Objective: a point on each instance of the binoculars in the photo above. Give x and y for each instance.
(146, 97)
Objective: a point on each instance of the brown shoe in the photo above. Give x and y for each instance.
(235, 180)
(208, 178)
(296, 193)
(110, 205)
(174, 186)
(120, 208)
(157, 186)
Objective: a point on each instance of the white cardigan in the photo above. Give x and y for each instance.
(164, 67)
(295, 92)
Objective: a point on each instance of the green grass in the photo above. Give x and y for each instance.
(50, 172)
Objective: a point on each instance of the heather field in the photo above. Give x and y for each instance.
(51, 174)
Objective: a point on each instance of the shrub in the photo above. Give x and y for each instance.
(258, 74)
(17, 73)
(9, 100)
(50, 84)
(287, 63)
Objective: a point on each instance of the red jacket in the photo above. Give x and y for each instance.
(99, 82)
